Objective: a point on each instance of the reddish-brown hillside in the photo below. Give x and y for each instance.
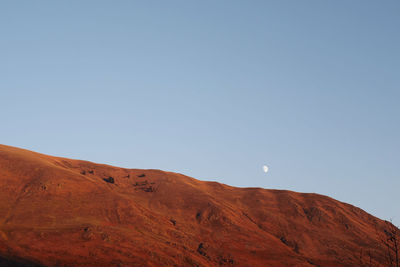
(61, 212)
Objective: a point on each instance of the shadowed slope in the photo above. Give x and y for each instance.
(57, 211)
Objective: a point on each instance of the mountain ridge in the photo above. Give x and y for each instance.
(56, 211)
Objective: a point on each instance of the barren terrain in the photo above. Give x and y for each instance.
(62, 212)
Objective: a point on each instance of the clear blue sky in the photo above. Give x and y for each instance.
(213, 89)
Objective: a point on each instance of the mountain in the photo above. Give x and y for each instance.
(61, 212)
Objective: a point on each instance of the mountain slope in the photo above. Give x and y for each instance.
(57, 212)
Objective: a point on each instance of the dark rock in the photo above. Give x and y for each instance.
(201, 250)
(148, 189)
(140, 183)
(198, 216)
(109, 180)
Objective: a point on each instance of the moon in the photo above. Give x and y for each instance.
(265, 168)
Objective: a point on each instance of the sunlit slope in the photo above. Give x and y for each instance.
(56, 211)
